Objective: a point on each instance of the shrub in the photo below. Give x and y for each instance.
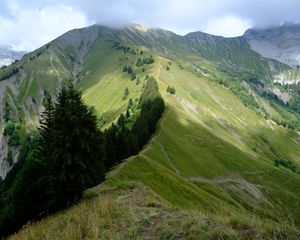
(9, 158)
(171, 90)
(287, 164)
(126, 93)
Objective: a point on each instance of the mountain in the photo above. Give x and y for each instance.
(224, 162)
(279, 42)
(7, 55)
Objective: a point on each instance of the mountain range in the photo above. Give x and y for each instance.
(224, 162)
(8, 56)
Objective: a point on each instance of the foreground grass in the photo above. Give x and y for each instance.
(133, 211)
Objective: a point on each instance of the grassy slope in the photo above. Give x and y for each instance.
(104, 88)
(64, 58)
(209, 169)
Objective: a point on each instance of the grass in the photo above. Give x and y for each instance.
(133, 211)
(207, 173)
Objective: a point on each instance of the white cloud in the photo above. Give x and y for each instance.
(31, 23)
(228, 26)
(31, 28)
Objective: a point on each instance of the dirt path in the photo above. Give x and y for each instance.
(158, 70)
(54, 68)
(168, 158)
(150, 231)
(243, 185)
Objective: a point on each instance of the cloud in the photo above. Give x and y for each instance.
(27, 29)
(228, 26)
(269, 12)
(31, 23)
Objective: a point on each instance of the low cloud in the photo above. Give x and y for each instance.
(29, 24)
(228, 26)
(27, 29)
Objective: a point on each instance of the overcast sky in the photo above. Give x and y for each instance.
(28, 24)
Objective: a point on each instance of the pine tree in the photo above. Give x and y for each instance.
(67, 158)
(110, 149)
(126, 93)
(77, 154)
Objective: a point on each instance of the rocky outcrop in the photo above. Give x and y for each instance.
(281, 43)
(7, 55)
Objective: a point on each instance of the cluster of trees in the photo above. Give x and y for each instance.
(39, 53)
(254, 80)
(235, 84)
(131, 140)
(11, 131)
(125, 49)
(67, 158)
(247, 98)
(130, 71)
(241, 92)
(126, 93)
(171, 90)
(7, 112)
(148, 60)
(11, 126)
(291, 124)
(69, 154)
(294, 103)
(9, 157)
(8, 74)
(276, 103)
(287, 164)
(25, 150)
(168, 66)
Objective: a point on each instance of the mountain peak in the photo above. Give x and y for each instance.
(139, 27)
(279, 42)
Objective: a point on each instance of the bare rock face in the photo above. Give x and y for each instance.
(281, 43)
(7, 55)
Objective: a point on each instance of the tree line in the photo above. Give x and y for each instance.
(69, 154)
(9, 73)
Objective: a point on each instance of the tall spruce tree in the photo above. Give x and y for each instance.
(67, 158)
(76, 154)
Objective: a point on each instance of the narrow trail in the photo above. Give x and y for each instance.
(225, 108)
(168, 158)
(158, 70)
(230, 183)
(150, 232)
(216, 180)
(190, 109)
(54, 68)
(243, 185)
(155, 137)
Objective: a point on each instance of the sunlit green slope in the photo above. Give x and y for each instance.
(208, 172)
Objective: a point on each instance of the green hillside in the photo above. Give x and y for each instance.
(210, 170)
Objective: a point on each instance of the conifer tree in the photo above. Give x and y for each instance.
(77, 149)
(67, 158)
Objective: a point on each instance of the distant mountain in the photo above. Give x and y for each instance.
(7, 55)
(280, 42)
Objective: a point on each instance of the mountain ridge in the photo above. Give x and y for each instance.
(280, 43)
(225, 137)
(64, 58)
